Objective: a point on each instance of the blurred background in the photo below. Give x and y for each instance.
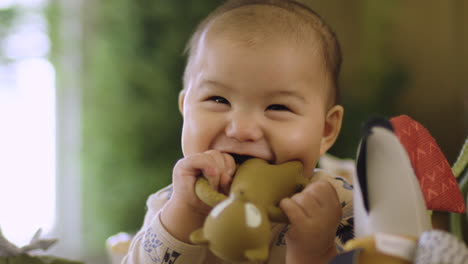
(89, 124)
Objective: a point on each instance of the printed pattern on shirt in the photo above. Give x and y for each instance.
(281, 241)
(151, 243)
(170, 257)
(346, 185)
(156, 252)
(345, 230)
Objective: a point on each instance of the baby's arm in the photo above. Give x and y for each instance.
(314, 215)
(164, 235)
(153, 244)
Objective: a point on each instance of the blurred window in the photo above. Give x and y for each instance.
(27, 122)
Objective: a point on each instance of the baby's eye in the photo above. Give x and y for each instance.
(218, 99)
(278, 107)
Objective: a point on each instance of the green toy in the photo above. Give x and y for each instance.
(459, 222)
(238, 227)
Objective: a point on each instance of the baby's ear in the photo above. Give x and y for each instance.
(332, 127)
(181, 101)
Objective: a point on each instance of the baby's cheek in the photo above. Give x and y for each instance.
(194, 138)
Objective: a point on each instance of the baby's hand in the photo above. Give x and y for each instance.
(314, 215)
(215, 166)
(184, 212)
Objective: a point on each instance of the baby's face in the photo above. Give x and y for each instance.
(267, 101)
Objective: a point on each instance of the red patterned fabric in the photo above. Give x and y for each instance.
(438, 184)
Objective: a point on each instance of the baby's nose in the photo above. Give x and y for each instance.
(244, 127)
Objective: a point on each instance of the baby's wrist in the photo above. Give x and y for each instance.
(330, 254)
(180, 220)
(308, 258)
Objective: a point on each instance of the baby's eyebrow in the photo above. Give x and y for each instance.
(287, 93)
(205, 83)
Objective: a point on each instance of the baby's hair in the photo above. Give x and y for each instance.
(305, 21)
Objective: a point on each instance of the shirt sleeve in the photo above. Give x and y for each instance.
(153, 244)
(345, 230)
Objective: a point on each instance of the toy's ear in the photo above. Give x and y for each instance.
(181, 101)
(332, 128)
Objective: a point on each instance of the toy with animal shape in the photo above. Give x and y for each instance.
(238, 228)
(390, 199)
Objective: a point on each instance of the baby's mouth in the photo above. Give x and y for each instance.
(239, 159)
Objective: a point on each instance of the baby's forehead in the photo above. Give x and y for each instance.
(257, 23)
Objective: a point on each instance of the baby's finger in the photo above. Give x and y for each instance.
(217, 157)
(226, 176)
(189, 168)
(293, 210)
(218, 162)
(319, 197)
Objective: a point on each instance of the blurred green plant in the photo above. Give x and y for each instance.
(133, 65)
(7, 21)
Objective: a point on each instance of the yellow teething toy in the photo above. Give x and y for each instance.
(238, 227)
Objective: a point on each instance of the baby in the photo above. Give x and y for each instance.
(261, 81)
